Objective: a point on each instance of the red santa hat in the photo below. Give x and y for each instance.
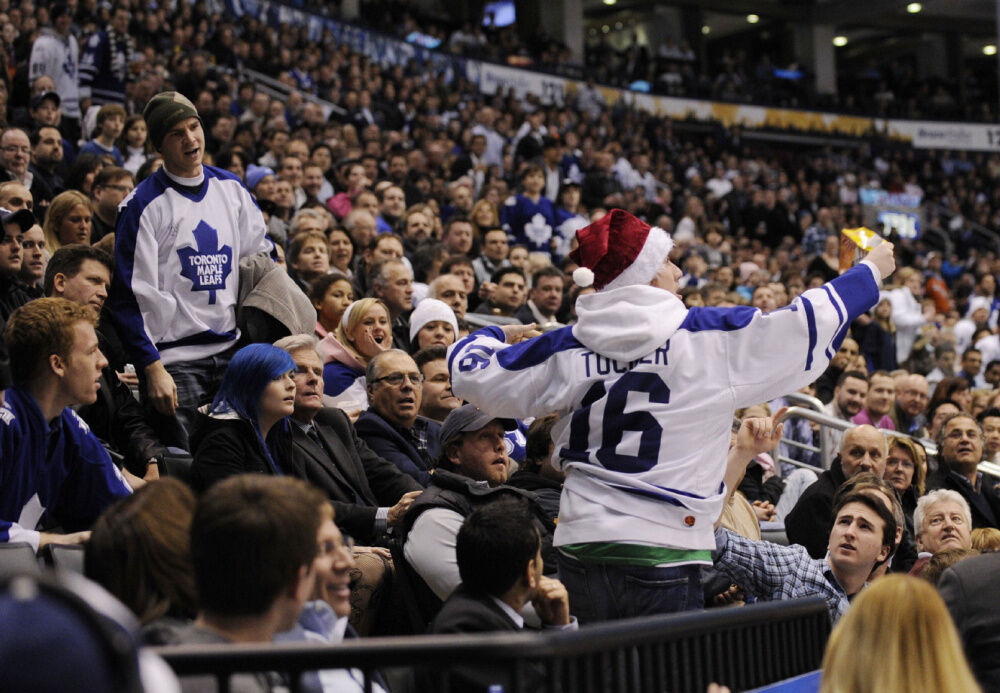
(619, 250)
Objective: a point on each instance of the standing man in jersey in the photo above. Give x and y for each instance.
(646, 391)
(180, 237)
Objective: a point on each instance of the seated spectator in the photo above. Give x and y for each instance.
(246, 427)
(499, 555)
(537, 473)
(341, 251)
(451, 290)
(140, 551)
(253, 542)
(47, 157)
(986, 540)
(825, 384)
(111, 186)
(955, 389)
(473, 469)
(330, 295)
(871, 649)
(942, 521)
(493, 256)
(392, 283)
(862, 537)
(369, 494)
(939, 562)
(436, 398)
(110, 123)
(68, 220)
(55, 471)
(906, 470)
(507, 294)
(391, 425)
(878, 402)
(364, 332)
(960, 449)
(911, 405)
(938, 414)
(34, 259)
(528, 218)
(863, 449)
(944, 364)
(967, 590)
(848, 399)
(545, 298)
(82, 274)
(13, 292)
(134, 144)
(308, 258)
(432, 323)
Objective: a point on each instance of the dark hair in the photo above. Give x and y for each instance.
(931, 411)
(859, 496)
(988, 413)
(547, 271)
(969, 351)
(529, 169)
(68, 260)
(319, 287)
(539, 441)
(435, 352)
(454, 261)
(504, 271)
(110, 174)
(224, 159)
(140, 551)
(942, 349)
(250, 535)
(424, 257)
(83, 164)
(495, 545)
(947, 388)
(456, 219)
(994, 362)
(851, 374)
(942, 560)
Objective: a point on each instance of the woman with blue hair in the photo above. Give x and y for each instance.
(246, 428)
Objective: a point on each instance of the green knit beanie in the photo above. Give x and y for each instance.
(164, 111)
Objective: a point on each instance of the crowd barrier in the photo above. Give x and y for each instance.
(743, 648)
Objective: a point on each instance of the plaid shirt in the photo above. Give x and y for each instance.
(771, 571)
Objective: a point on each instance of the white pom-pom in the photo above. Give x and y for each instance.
(583, 277)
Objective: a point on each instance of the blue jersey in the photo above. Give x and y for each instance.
(51, 472)
(529, 223)
(104, 67)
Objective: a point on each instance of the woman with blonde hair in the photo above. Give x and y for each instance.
(484, 216)
(67, 221)
(897, 637)
(364, 331)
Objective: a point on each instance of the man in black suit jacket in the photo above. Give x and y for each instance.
(500, 560)
(969, 590)
(960, 449)
(369, 494)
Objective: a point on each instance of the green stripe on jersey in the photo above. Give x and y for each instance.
(614, 553)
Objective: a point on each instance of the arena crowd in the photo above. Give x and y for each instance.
(233, 324)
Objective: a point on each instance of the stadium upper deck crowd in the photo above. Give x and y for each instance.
(425, 190)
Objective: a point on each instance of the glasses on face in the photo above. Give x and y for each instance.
(396, 379)
(14, 149)
(120, 188)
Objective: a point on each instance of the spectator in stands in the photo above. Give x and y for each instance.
(82, 274)
(955, 389)
(110, 122)
(111, 186)
(34, 258)
(13, 292)
(989, 420)
(878, 402)
(68, 221)
(472, 470)
(391, 426)
(826, 383)
(862, 449)
(508, 293)
(967, 592)
(56, 54)
(871, 647)
(911, 403)
(47, 157)
(598, 515)
(246, 428)
(341, 251)
(308, 258)
(392, 283)
(450, 289)
(848, 400)
(943, 521)
(370, 495)
(56, 471)
(537, 473)
(907, 313)
(140, 552)
(15, 158)
(432, 322)
(960, 449)
(906, 470)
(392, 205)
(499, 556)
(181, 353)
(436, 398)
(493, 256)
(528, 218)
(330, 295)
(364, 331)
(944, 364)
(134, 143)
(972, 364)
(458, 236)
(253, 541)
(545, 298)
(939, 414)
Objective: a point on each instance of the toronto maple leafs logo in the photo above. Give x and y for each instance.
(538, 231)
(207, 266)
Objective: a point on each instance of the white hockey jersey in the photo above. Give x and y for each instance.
(177, 255)
(59, 58)
(646, 390)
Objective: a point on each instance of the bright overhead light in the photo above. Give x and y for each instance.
(605, 29)
(989, 49)
(839, 41)
(610, 2)
(706, 30)
(914, 7)
(752, 18)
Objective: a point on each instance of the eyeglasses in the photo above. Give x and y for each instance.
(396, 379)
(120, 188)
(14, 149)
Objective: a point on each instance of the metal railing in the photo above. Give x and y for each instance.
(744, 647)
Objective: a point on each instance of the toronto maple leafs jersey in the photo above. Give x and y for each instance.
(646, 390)
(59, 58)
(177, 253)
(529, 223)
(567, 224)
(104, 67)
(55, 471)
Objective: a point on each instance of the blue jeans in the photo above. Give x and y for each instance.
(197, 382)
(599, 592)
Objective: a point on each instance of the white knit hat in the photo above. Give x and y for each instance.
(429, 310)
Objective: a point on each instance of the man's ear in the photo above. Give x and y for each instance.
(59, 283)
(451, 454)
(883, 554)
(920, 543)
(301, 588)
(57, 364)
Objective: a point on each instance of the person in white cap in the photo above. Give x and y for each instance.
(646, 390)
(432, 322)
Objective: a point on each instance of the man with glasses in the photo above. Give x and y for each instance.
(960, 450)
(15, 155)
(391, 425)
(911, 404)
(111, 185)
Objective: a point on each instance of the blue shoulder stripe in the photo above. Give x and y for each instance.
(724, 319)
(535, 351)
(857, 289)
(337, 377)
(811, 324)
(491, 331)
(841, 324)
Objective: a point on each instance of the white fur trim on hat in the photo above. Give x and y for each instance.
(430, 310)
(648, 263)
(583, 277)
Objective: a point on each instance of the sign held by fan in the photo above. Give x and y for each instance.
(855, 244)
